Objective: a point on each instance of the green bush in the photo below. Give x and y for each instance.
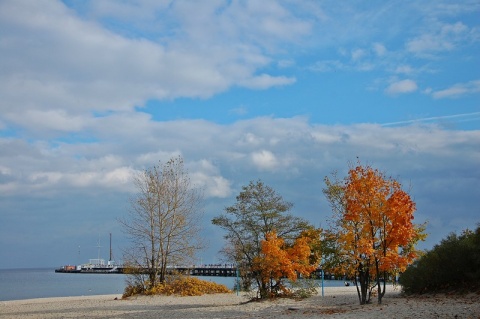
(303, 288)
(454, 264)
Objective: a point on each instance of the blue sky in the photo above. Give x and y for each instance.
(284, 91)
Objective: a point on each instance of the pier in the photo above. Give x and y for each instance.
(225, 270)
(208, 270)
(221, 270)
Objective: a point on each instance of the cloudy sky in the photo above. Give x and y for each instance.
(283, 91)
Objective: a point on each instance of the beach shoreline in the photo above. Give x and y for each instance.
(338, 302)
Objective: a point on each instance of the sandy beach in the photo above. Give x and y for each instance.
(338, 302)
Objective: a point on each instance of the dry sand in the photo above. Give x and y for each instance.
(341, 302)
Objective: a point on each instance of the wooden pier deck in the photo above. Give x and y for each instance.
(194, 270)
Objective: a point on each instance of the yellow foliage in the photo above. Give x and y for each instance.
(377, 231)
(277, 261)
(181, 286)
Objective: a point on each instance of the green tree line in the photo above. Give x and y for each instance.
(453, 264)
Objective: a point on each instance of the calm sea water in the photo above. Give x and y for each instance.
(16, 284)
(40, 283)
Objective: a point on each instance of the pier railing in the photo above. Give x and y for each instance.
(220, 270)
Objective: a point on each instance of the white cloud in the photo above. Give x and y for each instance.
(454, 91)
(130, 11)
(288, 154)
(358, 54)
(457, 90)
(118, 176)
(358, 59)
(286, 63)
(404, 69)
(401, 87)
(379, 49)
(251, 139)
(55, 120)
(152, 158)
(441, 37)
(240, 111)
(265, 81)
(264, 160)
(222, 151)
(207, 176)
(83, 67)
(218, 186)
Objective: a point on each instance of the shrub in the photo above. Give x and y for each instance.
(304, 288)
(452, 265)
(181, 286)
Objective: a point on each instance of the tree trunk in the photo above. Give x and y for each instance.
(152, 274)
(380, 292)
(364, 279)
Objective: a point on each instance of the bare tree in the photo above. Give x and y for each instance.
(163, 222)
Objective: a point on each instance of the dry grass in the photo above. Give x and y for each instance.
(180, 286)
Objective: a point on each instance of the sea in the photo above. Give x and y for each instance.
(19, 284)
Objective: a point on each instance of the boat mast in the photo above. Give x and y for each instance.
(98, 246)
(110, 246)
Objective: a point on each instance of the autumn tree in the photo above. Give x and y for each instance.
(258, 211)
(374, 228)
(278, 260)
(163, 222)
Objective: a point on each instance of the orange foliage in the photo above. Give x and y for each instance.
(277, 261)
(313, 237)
(377, 224)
